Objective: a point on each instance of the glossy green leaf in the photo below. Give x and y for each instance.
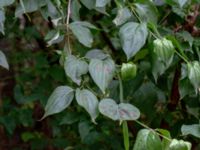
(82, 32)
(162, 56)
(165, 142)
(123, 111)
(3, 61)
(193, 129)
(88, 101)
(102, 72)
(147, 140)
(128, 71)
(123, 15)
(75, 68)
(179, 145)
(60, 99)
(194, 74)
(164, 50)
(133, 37)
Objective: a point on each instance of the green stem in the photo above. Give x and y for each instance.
(164, 18)
(154, 35)
(132, 9)
(124, 123)
(24, 9)
(121, 93)
(126, 135)
(181, 56)
(118, 4)
(145, 126)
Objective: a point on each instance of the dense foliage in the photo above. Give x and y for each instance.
(100, 74)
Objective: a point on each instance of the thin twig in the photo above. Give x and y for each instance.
(67, 23)
(121, 93)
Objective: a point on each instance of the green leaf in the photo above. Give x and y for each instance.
(88, 100)
(186, 36)
(194, 74)
(49, 9)
(75, 68)
(158, 2)
(147, 140)
(54, 37)
(27, 6)
(3, 61)
(123, 15)
(9, 122)
(4, 3)
(102, 72)
(164, 50)
(75, 8)
(162, 56)
(84, 129)
(82, 32)
(176, 44)
(179, 145)
(165, 142)
(181, 2)
(193, 129)
(121, 112)
(96, 54)
(60, 99)
(101, 3)
(89, 4)
(2, 20)
(128, 71)
(27, 136)
(69, 118)
(147, 12)
(133, 37)
(185, 88)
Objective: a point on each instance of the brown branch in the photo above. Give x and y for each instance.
(190, 21)
(175, 95)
